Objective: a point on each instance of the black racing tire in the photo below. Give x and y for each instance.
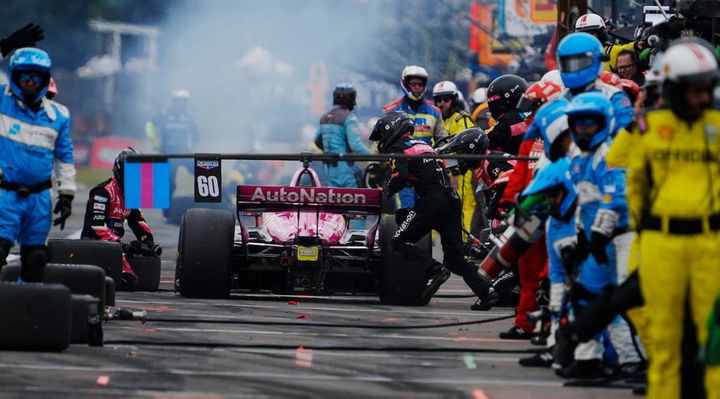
(205, 248)
(106, 254)
(147, 269)
(80, 279)
(35, 316)
(109, 291)
(85, 312)
(401, 283)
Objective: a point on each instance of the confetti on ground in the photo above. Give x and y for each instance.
(469, 362)
(293, 303)
(303, 357)
(479, 394)
(102, 380)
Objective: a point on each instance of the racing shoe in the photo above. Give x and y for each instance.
(487, 302)
(437, 278)
(515, 332)
(582, 369)
(540, 359)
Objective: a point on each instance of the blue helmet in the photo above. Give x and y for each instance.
(550, 178)
(550, 123)
(592, 107)
(29, 59)
(580, 59)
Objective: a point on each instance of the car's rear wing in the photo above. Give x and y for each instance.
(272, 198)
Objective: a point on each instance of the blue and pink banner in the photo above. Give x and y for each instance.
(147, 185)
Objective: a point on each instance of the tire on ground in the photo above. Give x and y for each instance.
(147, 269)
(106, 254)
(401, 283)
(35, 316)
(86, 322)
(109, 291)
(80, 279)
(205, 247)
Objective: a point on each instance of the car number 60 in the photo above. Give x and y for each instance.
(208, 186)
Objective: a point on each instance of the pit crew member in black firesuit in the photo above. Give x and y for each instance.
(438, 206)
(106, 213)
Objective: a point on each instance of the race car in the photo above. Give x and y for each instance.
(301, 238)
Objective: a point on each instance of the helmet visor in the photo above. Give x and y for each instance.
(574, 63)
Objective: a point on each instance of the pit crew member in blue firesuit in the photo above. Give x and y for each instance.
(438, 206)
(105, 215)
(603, 236)
(339, 133)
(581, 59)
(35, 138)
(428, 120)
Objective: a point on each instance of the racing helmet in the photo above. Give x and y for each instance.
(555, 178)
(553, 76)
(446, 88)
(29, 59)
(119, 165)
(538, 94)
(682, 63)
(409, 72)
(592, 24)
(630, 88)
(344, 94)
(469, 141)
(580, 58)
(390, 127)
(504, 93)
(610, 78)
(590, 107)
(551, 124)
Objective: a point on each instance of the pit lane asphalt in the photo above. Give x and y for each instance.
(203, 359)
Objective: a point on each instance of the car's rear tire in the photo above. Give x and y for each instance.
(205, 247)
(401, 283)
(147, 269)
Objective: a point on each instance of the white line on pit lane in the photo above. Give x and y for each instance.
(475, 380)
(374, 336)
(512, 358)
(303, 307)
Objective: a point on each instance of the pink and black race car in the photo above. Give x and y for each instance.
(301, 238)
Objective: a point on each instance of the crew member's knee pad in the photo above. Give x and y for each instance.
(33, 259)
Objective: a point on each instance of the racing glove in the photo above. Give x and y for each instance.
(63, 206)
(602, 232)
(27, 36)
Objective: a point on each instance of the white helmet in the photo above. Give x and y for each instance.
(180, 93)
(413, 71)
(682, 63)
(479, 96)
(589, 22)
(445, 88)
(688, 61)
(553, 76)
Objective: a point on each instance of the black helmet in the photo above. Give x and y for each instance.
(344, 94)
(390, 127)
(469, 141)
(119, 165)
(504, 93)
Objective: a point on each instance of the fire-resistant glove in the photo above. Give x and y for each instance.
(602, 229)
(27, 36)
(63, 206)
